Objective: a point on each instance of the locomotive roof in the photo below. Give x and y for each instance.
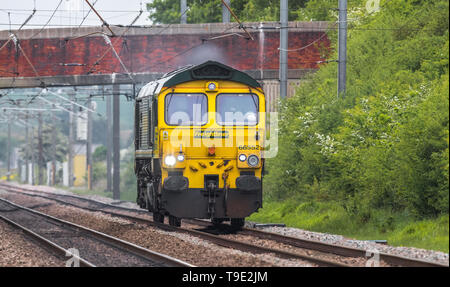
(210, 70)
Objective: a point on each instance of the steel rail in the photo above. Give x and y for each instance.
(61, 251)
(340, 250)
(125, 245)
(79, 198)
(293, 241)
(229, 243)
(329, 247)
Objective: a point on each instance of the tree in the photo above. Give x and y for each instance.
(210, 11)
(385, 145)
(59, 152)
(3, 145)
(266, 10)
(99, 154)
(164, 11)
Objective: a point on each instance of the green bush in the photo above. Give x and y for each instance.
(98, 171)
(99, 153)
(384, 145)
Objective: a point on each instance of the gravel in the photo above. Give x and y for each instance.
(410, 252)
(351, 261)
(99, 198)
(18, 250)
(90, 248)
(191, 249)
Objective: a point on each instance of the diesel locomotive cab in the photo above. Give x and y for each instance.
(199, 133)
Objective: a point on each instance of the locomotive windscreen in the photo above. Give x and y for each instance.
(186, 109)
(237, 109)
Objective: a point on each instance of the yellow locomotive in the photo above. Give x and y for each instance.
(199, 135)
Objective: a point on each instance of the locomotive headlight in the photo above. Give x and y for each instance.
(180, 157)
(170, 160)
(212, 86)
(253, 160)
(242, 157)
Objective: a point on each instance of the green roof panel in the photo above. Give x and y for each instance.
(209, 71)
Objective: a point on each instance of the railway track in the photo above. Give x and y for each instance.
(95, 248)
(320, 247)
(95, 206)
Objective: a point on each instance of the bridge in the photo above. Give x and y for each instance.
(133, 56)
(136, 55)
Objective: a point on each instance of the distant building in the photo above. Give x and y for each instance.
(79, 164)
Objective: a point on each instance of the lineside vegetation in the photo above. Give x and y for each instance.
(375, 161)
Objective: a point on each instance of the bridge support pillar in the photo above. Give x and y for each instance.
(108, 144)
(284, 12)
(116, 142)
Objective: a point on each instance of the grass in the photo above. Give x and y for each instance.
(399, 229)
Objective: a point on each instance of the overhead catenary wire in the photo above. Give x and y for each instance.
(72, 102)
(28, 109)
(111, 46)
(27, 114)
(34, 97)
(237, 19)
(169, 25)
(404, 28)
(108, 41)
(15, 120)
(58, 106)
(126, 11)
(11, 38)
(51, 17)
(40, 14)
(289, 50)
(224, 36)
(100, 17)
(308, 45)
(203, 42)
(17, 43)
(6, 43)
(305, 8)
(230, 28)
(87, 14)
(29, 18)
(82, 36)
(297, 49)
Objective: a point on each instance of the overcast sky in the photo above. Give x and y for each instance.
(71, 12)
